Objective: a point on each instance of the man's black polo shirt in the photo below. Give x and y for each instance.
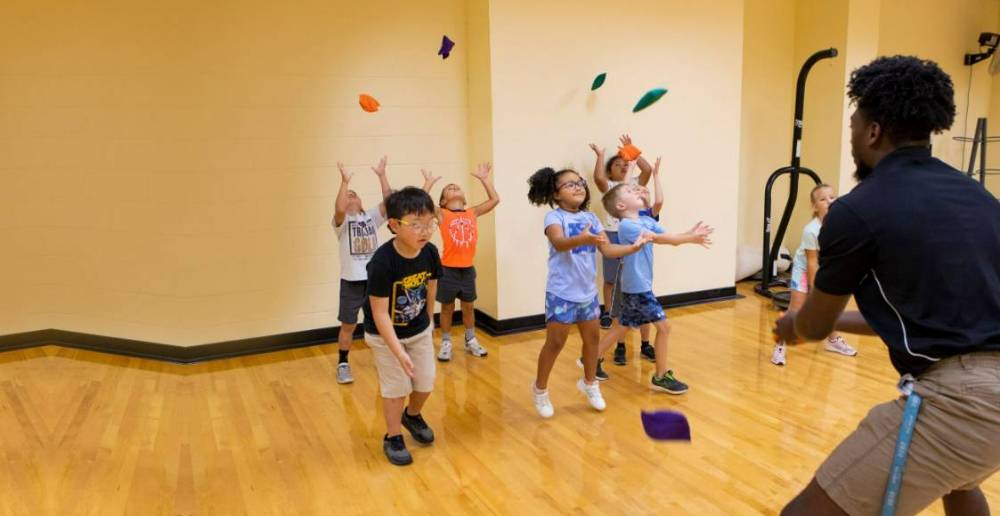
(918, 244)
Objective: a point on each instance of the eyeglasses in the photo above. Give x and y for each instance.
(581, 184)
(421, 228)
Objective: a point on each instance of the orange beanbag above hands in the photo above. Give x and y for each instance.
(368, 103)
(629, 152)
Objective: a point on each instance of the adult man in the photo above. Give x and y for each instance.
(918, 245)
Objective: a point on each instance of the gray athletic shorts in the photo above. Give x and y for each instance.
(457, 283)
(352, 298)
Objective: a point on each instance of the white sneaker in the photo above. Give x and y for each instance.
(593, 393)
(473, 348)
(444, 354)
(344, 373)
(778, 357)
(839, 345)
(542, 402)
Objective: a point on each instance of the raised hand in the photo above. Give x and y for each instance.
(429, 178)
(625, 140)
(656, 166)
(345, 176)
(483, 171)
(597, 150)
(379, 169)
(700, 234)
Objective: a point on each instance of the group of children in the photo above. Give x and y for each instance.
(396, 283)
(575, 236)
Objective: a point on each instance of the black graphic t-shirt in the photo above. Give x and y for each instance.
(404, 282)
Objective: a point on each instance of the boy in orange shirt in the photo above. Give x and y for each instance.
(459, 233)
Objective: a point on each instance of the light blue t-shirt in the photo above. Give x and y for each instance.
(572, 273)
(637, 269)
(810, 242)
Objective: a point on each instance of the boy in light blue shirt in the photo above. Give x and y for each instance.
(639, 304)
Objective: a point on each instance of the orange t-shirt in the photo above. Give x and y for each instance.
(459, 234)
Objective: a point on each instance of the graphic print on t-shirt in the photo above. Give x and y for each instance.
(363, 238)
(462, 232)
(575, 228)
(409, 298)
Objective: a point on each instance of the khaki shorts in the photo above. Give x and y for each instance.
(392, 381)
(955, 446)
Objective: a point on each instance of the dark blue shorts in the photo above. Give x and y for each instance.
(639, 309)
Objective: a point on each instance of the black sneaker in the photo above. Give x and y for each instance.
(605, 320)
(418, 428)
(395, 450)
(648, 352)
(620, 354)
(601, 375)
(667, 383)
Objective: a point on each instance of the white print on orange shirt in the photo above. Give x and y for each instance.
(462, 232)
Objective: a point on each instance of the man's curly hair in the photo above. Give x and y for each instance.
(909, 97)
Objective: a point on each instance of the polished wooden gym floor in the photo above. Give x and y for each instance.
(88, 433)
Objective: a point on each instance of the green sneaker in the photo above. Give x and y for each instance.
(667, 383)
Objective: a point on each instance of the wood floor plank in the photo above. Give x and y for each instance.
(88, 433)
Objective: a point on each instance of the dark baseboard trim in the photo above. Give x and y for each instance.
(507, 326)
(298, 339)
(535, 322)
(699, 297)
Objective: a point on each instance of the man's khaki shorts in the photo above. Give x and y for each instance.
(392, 381)
(955, 446)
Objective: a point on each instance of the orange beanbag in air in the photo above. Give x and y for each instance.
(629, 152)
(368, 103)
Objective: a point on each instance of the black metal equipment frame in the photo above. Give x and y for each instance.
(979, 142)
(769, 250)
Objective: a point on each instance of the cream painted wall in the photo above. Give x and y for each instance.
(168, 168)
(767, 107)
(993, 156)
(480, 138)
(861, 30)
(926, 29)
(861, 49)
(544, 56)
(819, 24)
(779, 37)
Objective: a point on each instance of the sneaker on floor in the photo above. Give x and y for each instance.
(620, 354)
(395, 450)
(778, 356)
(593, 393)
(542, 402)
(418, 428)
(601, 374)
(444, 354)
(344, 373)
(668, 383)
(648, 352)
(839, 345)
(473, 348)
(605, 320)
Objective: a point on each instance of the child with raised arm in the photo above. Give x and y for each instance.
(459, 234)
(357, 232)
